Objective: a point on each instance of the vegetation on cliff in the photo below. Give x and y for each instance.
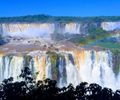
(116, 60)
(27, 60)
(94, 34)
(48, 18)
(54, 63)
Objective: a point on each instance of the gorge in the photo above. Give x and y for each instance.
(64, 62)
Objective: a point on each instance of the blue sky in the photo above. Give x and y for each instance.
(60, 7)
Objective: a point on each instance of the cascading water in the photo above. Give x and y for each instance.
(10, 66)
(38, 29)
(66, 67)
(110, 26)
(71, 71)
(72, 28)
(28, 30)
(62, 72)
(48, 68)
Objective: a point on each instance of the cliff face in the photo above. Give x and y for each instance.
(41, 29)
(45, 29)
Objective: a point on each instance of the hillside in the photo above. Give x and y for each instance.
(48, 18)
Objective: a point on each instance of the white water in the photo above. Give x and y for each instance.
(72, 28)
(110, 26)
(38, 29)
(90, 66)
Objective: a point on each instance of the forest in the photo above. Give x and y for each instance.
(65, 19)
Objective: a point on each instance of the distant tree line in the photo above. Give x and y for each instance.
(48, 18)
(29, 89)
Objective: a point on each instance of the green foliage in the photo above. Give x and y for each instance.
(27, 59)
(79, 40)
(94, 34)
(63, 19)
(109, 45)
(116, 60)
(116, 51)
(53, 56)
(29, 18)
(97, 33)
(54, 63)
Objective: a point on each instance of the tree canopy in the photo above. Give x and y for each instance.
(48, 18)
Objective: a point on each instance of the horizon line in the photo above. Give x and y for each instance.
(59, 16)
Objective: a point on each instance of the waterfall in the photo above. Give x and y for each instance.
(28, 30)
(43, 30)
(110, 26)
(72, 28)
(10, 66)
(102, 70)
(48, 68)
(67, 67)
(62, 72)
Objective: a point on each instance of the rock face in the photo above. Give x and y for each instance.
(64, 66)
